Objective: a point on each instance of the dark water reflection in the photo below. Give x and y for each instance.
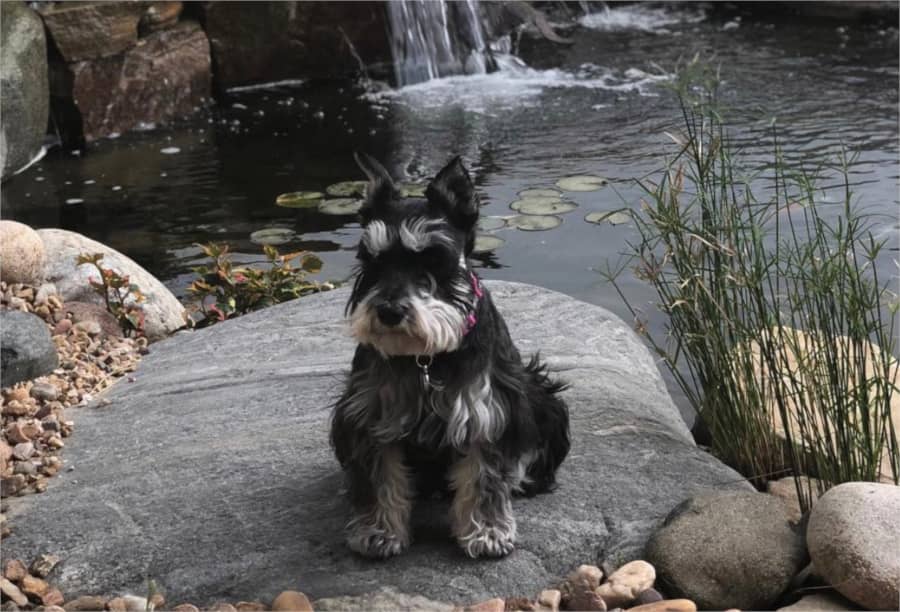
(595, 107)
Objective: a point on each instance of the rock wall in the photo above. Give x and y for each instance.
(23, 79)
(117, 65)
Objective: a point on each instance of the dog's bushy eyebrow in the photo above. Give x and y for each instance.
(415, 234)
(419, 233)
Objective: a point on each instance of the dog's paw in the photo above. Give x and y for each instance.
(375, 542)
(489, 541)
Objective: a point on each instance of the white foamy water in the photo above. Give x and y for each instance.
(642, 17)
(515, 85)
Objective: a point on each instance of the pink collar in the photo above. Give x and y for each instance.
(478, 290)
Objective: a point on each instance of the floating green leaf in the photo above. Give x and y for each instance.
(581, 182)
(534, 201)
(534, 223)
(490, 224)
(300, 199)
(485, 243)
(272, 236)
(340, 206)
(347, 189)
(557, 207)
(413, 190)
(615, 217)
(539, 193)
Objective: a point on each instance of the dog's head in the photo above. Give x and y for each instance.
(414, 293)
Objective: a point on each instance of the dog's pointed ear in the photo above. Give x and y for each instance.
(453, 191)
(381, 187)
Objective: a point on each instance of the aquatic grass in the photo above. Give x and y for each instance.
(778, 329)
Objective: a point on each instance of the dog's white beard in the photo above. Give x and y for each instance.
(432, 327)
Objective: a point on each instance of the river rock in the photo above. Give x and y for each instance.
(853, 536)
(166, 76)
(625, 584)
(87, 312)
(26, 347)
(234, 420)
(163, 312)
(382, 600)
(727, 550)
(21, 254)
(253, 43)
(786, 490)
(23, 78)
(289, 601)
(817, 602)
(89, 30)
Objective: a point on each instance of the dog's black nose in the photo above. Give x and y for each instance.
(391, 313)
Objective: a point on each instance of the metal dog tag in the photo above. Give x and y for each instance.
(424, 363)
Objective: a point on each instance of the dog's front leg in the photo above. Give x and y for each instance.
(381, 495)
(481, 513)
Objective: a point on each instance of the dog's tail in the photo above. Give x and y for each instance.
(552, 417)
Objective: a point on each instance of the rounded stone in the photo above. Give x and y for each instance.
(854, 542)
(21, 254)
(292, 600)
(727, 550)
(27, 347)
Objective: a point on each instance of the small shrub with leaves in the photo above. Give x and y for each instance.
(122, 298)
(225, 291)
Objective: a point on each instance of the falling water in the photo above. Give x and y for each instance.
(435, 38)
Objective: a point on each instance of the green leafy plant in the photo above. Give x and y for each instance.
(122, 298)
(224, 291)
(778, 329)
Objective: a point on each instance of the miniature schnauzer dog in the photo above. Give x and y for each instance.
(438, 399)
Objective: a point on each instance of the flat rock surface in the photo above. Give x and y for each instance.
(211, 472)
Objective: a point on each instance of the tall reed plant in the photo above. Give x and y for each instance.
(778, 330)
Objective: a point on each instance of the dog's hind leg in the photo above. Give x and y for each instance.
(381, 494)
(481, 513)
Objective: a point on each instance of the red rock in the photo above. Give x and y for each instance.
(578, 591)
(159, 16)
(166, 76)
(52, 597)
(667, 605)
(34, 586)
(292, 601)
(16, 408)
(85, 603)
(14, 570)
(496, 604)
(87, 30)
(23, 430)
(62, 327)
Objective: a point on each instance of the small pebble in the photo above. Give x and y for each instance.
(32, 585)
(667, 605)
(496, 604)
(648, 596)
(626, 583)
(86, 603)
(13, 592)
(250, 606)
(44, 391)
(43, 565)
(222, 606)
(185, 607)
(549, 600)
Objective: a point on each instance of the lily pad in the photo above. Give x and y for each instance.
(535, 201)
(534, 223)
(300, 199)
(581, 182)
(557, 207)
(539, 193)
(273, 236)
(340, 206)
(490, 224)
(485, 243)
(347, 189)
(413, 190)
(612, 217)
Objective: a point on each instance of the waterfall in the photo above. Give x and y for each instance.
(435, 38)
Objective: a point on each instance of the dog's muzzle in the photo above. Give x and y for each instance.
(391, 313)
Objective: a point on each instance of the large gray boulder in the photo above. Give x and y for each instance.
(163, 313)
(23, 79)
(211, 472)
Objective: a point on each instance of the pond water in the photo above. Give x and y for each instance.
(598, 106)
